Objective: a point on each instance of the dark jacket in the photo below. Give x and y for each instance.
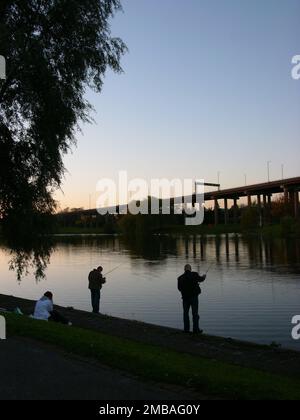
(188, 284)
(96, 280)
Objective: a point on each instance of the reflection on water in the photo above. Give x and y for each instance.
(252, 291)
(31, 254)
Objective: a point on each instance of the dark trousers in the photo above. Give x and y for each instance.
(95, 296)
(188, 303)
(57, 317)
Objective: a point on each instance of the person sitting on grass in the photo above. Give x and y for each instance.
(44, 310)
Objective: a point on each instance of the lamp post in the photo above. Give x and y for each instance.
(268, 165)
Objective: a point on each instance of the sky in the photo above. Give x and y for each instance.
(206, 88)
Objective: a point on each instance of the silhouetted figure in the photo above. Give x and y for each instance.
(188, 285)
(44, 310)
(96, 281)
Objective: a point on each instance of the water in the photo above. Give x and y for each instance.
(252, 291)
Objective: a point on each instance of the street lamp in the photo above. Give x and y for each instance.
(268, 164)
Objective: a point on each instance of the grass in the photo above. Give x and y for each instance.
(209, 377)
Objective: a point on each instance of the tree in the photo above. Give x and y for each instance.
(54, 50)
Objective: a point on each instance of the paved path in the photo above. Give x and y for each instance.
(33, 371)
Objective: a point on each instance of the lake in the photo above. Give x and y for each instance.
(251, 293)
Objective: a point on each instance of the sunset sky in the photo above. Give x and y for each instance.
(207, 87)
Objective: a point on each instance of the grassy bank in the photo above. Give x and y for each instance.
(210, 377)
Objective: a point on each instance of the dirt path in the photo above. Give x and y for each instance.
(241, 353)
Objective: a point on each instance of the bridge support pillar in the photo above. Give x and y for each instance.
(226, 211)
(270, 200)
(286, 195)
(265, 209)
(258, 201)
(235, 210)
(260, 210)
(270, 208)
(296, 204)
(249, 200)
(265, 201)
(216, 212)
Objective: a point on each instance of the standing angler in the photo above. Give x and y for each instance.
(188, 285)
(96, 281)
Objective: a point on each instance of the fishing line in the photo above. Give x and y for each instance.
(209, 268)
(114, 269)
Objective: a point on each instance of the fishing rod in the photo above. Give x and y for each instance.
(114, 269)
(209, 268)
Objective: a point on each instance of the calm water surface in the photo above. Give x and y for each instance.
(252, 291)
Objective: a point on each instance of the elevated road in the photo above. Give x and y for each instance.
(262, 193)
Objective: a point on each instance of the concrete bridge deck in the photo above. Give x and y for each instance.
(262, 193)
